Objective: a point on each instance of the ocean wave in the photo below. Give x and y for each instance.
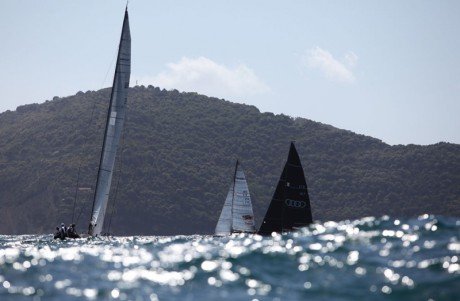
(370, 258)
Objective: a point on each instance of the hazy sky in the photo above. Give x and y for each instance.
(387, 69)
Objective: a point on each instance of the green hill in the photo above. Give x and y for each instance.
(178, 159)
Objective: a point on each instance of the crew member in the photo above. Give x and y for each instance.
(61, 232)
(71, 232)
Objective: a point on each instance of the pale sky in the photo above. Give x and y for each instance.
(387, 69)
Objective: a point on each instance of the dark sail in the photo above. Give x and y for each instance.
(113, 129)
(290, 205)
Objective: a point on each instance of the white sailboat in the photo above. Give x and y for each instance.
(237, 214)
(113, 130)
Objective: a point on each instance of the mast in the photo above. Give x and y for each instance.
(290, 205)
(233, 194)
(113, 129)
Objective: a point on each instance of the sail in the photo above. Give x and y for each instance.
(113, 129)
(290, 205)
(243, 217)
(236, 215)
(224, 225)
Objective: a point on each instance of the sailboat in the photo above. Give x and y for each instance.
(113, 129)
(236, 215)
(290, 206)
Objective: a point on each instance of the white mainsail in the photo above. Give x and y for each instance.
(237, 215)
(243, 217)
(113, 129)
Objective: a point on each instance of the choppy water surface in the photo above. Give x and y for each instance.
(367, 259)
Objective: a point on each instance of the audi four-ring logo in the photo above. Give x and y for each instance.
(295, 204)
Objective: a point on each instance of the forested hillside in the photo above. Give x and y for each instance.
(178, 157)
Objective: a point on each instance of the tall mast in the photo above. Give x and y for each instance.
(233, 193)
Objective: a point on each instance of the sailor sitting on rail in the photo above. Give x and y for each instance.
(61, 232)
(71, 232)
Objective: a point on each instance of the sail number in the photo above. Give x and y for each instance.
(245, 197)
(295, 204)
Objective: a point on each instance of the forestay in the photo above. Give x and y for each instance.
(113, 129)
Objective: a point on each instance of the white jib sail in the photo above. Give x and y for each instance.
(224, 225)
(236, 215)
(114, 127)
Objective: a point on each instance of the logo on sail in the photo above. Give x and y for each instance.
(248, 219)
(295, 204)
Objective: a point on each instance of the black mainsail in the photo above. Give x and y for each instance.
(113, 129)
(290, 205)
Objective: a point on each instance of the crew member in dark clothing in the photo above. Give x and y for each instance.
(61, 232)
(58, 234)
(71, 232)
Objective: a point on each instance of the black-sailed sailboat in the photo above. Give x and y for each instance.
(290, 206)
(236, 215)
(113, 130)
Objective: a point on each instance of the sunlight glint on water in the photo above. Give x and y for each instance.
(369, 258)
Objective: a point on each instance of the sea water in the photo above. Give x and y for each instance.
(367, 259)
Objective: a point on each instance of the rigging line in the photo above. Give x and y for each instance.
(233, 194)
(283, 210)
(86, 142)
(80, 161)
(81, 211)
(114, 57)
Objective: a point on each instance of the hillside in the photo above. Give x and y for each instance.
(178, 159)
